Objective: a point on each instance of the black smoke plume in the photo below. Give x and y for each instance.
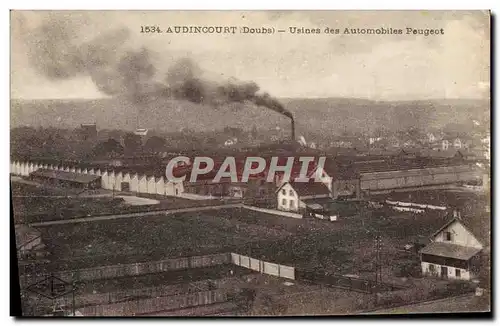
(57, 51)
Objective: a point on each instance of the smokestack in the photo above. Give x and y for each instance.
(118, 69)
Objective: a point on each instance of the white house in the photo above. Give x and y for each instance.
(455, 249)
(445, 144)
(290, 195)
(231, 142)
(431, 138)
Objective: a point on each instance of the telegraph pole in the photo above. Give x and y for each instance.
(73, 296)
(378, 267)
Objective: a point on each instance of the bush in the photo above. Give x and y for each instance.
(451, 289)
(408, 269)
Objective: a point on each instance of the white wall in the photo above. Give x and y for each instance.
(459, 235)
(151, 185)
(24, 169)
(160, 186)
(134, 183)
(143, 184)
(464, 274)
(105, 180)
(273, 211)
(263, 266)
(288, 199)
(118, 181)
(112, 180)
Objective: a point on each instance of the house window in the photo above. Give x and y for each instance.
(292, 204)
(283, 202)
(431, 268)
(290, 192)
(457, 272)
(447, 236)
(283, 192)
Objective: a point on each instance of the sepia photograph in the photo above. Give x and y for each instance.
(168, 163)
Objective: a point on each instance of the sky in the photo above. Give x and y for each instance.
(378, 67)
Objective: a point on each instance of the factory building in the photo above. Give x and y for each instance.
(88, 130)
(65, 179)
(342, 182)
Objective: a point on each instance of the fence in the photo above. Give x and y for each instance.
(344, 282)
(263, 266)
(114, 271)
(273, 211)
(144, 306)
(88, 299)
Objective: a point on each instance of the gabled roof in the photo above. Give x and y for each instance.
(450, 250)
(338, 171)
(307, 188)
(477, 225)
(66, 176)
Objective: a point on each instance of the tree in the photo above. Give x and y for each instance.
(109, 147)
(155, 144)
(132, 142)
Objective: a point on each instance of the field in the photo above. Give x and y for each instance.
(346, 246)
(149, 238)
(343, 247)
(36, 203)
(33, 203)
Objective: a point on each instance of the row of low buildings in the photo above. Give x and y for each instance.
(78, 175)
(343, 178)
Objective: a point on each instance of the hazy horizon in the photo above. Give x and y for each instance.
(283, 98)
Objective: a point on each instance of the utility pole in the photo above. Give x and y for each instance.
(378, 267)
(73, 289)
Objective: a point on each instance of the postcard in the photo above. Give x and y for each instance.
(250, 163)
